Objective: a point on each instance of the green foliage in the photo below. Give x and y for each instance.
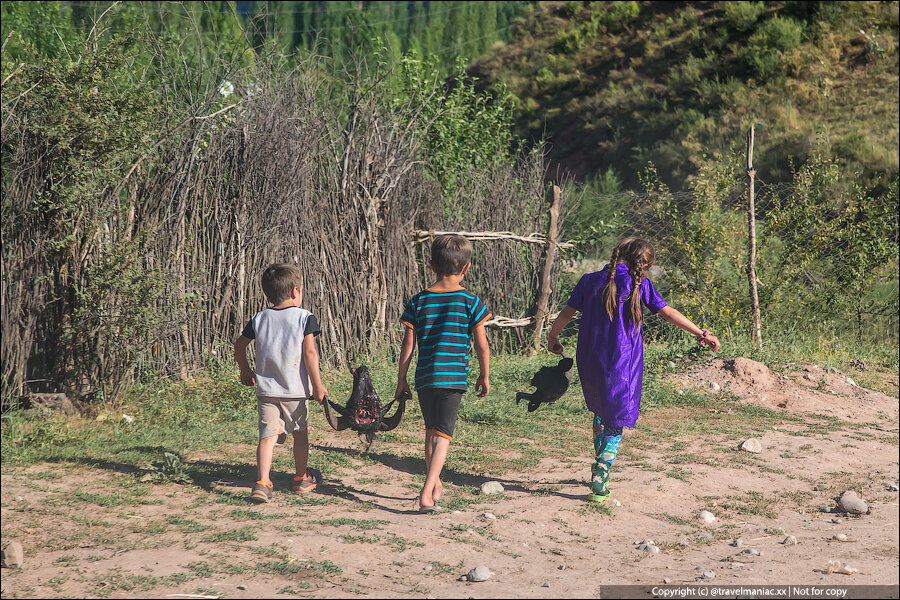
(743, 15)
(670, 86)
(89, 119)
(772, 44)
(467, 129)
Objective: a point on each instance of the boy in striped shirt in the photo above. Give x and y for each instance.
(443, 319)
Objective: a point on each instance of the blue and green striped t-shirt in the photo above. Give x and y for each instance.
(444, 322)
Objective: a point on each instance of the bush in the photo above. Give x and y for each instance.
(772, 42)
(742, 16)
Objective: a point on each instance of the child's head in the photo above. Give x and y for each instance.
(450, 254)
(278, 281)
(637, 254)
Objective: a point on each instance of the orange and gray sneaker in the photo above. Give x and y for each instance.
(307, 483)
(262, 492)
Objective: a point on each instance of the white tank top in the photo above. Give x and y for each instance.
(280, 371)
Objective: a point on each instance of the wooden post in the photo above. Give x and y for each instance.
(542, 302)
(756, 334)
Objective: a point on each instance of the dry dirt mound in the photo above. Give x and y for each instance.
(809, 388)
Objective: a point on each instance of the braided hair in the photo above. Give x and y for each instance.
(638, 255)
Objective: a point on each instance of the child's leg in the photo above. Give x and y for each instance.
(606, 446)
(301, 451)
(429, 446)
(264, 452)
(440, 445)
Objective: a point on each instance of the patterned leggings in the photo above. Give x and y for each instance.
(606, 446)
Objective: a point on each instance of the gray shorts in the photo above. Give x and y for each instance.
(281, 415)
(440, 407)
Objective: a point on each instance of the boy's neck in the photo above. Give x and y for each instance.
(447, 283)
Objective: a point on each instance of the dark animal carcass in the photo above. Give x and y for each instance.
(363, 412)
(551, 384)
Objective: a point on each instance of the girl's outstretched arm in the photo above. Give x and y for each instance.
(676, 318)
(561, 321)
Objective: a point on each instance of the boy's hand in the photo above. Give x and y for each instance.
(402, 388)
(484, 385)
(319, 394)
(248, 377)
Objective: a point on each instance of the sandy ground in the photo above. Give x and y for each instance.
(545, 541)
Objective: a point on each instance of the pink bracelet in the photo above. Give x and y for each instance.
(701, 339)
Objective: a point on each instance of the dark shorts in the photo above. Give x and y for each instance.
(440, 407)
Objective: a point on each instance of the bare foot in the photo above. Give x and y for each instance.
(438, 491)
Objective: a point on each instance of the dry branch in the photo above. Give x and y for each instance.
(532, 238)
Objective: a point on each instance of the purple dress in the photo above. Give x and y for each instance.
(610, 355)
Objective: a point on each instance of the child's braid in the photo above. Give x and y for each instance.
(637, 315)
(609, 291)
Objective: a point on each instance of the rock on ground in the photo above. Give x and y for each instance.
(13, 555)
(752, 445)
(851, 503)
(706, 516)
(489, 488)
(479, 573)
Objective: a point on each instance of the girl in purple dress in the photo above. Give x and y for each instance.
(610, 353)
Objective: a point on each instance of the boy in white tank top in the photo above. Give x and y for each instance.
(286, 375)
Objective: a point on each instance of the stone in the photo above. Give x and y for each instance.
(242, 587)
(832, 370)
(706, 536)
(649, 548)
(706, 516)
(851, 382)
(648, 542)
(18, 498)
(825, 509)
(750, 551)
(840, 537)
(489, 516)
(490, 488)
(479, 573)
(709, 575)
(615, 502)
(837, 520)
(752, 445)
(428, 568)
(670, 365)
(13, 555)
(714, 386)
(667, 581)
(789, 541)
(851, 503)
(545, 584)
(737, 543)
(891, 487)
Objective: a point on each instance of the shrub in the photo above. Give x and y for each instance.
(743, 15)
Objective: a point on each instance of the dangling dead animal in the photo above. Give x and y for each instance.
(363, 413)
(551, 384)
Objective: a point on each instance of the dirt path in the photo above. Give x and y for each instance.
(93, 532)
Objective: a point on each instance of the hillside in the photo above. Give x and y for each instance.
(618, 84)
